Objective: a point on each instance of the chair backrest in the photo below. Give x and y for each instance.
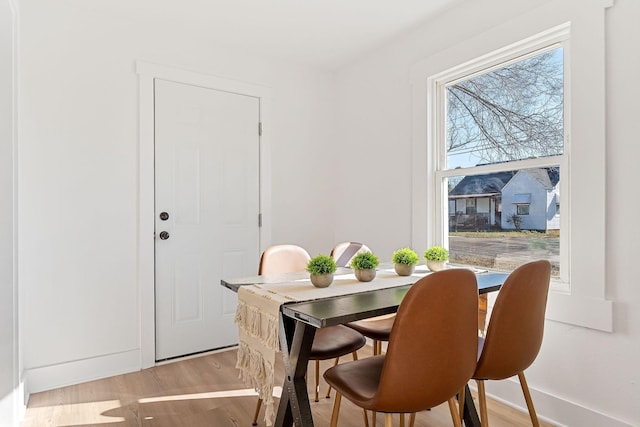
(343, 253)
(433, 346)
(280, 259)
(516, 325)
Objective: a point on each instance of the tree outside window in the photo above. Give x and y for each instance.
(504, 139)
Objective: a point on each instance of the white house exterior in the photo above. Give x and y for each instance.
(533, 195)
(488, 201)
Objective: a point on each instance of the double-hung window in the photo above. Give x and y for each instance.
(492, 153)
(500, 145)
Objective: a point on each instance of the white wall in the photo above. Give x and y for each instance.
(582, 376)
(78, 175)
(8, 308)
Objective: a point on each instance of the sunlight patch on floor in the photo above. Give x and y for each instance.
(87, 413)
(277, 391)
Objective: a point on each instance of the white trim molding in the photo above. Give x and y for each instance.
(563, 411)
(78, 371)
(147, 73)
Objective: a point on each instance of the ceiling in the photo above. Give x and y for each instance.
(322, 33)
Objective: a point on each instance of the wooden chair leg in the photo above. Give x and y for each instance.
(354, 355)
(412, 419)
(527, 398)
(329, 388)
(482, 313)
(388, 420)
(461, 402)
(255, 416)
(375, 347)
(366, 418)
(401, 420)
(457, 422)
(336, 410)
(317, 379)
(482, 398)
(374, 416)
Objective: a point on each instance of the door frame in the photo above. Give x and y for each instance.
(147, 73)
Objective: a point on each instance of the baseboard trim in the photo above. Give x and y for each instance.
(78, 371)
(550, 408)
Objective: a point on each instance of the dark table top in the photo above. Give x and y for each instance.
(342, 309)
(348, 308)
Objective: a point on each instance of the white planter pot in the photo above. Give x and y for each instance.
(435, 265)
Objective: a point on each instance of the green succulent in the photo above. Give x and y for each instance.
(321, 264)
(364, 261)
(436, 253)
(405, 256)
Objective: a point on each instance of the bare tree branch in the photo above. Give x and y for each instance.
(514, 112)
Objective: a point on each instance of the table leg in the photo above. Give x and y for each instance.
(470, 415)
(296, 339)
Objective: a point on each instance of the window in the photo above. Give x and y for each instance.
(509, 113)
(578, 294)
(471, 206)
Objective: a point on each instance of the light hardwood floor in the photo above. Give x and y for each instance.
(198, 392)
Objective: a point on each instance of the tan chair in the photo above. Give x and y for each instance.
(329, 343)
(343, 253)
(377, 328)
(431, 354)
(515, 330)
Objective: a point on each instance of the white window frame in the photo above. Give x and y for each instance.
(550, 40)
(580, 297)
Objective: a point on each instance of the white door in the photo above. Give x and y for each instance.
(206, 212)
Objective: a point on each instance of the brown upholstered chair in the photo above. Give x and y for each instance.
(515, 330)
(431, 354)
(329, 343)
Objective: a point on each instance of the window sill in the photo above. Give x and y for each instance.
(588, 312)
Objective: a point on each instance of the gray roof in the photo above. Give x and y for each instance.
(490, 183)
(548, 177)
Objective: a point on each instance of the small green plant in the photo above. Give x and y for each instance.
(436, 253)
(405, 256)
(364, 261)
(516, 220)
(321, 264)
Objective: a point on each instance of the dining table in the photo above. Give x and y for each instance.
(299, 320)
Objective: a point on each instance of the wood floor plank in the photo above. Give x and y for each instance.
(198, 392)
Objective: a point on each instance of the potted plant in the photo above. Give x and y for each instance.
(364, 266)
(436, 256)
(321, 269)
(405, 261)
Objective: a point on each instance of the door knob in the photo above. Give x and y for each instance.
(164, 235)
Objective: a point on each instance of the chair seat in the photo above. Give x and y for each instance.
(377, 329)
(335, 341)
(359, 381)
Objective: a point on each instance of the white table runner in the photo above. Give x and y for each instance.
(257, 319)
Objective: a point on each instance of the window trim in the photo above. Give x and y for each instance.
(551, 39)
(583, 302)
